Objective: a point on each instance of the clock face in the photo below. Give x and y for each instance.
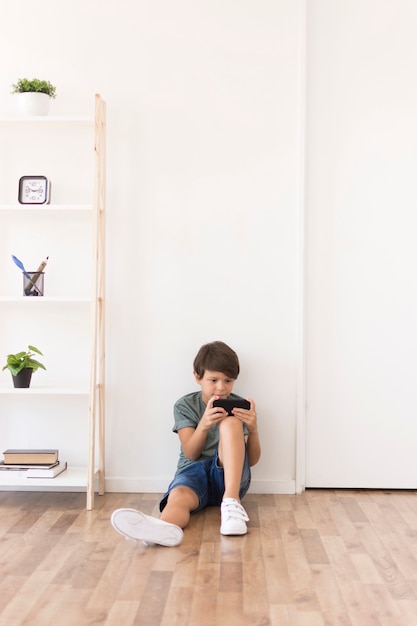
(33, 190)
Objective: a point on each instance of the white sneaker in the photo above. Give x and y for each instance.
(234, 518)
(136, 525)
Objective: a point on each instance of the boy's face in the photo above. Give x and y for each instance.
(214, 384)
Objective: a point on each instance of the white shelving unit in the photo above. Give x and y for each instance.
(70, 317)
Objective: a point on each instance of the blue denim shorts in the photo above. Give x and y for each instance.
(206, 479)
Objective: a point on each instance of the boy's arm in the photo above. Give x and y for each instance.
(193, 439)
(253, 448)
(248, 417)
(192, 442)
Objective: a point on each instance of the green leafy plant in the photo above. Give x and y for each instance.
(17, 362)
(24, 85)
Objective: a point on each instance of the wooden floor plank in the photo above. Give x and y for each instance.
(299, 570)
(177, 607)
(332, 605)
(385, 564)
(152, 606)
(122, 612)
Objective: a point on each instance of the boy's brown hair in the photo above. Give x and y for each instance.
(216, 357)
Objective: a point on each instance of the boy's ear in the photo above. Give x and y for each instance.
(197, 377)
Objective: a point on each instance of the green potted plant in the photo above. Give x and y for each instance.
(21, 366)
(34, 95)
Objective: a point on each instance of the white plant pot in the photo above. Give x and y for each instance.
(33, 103)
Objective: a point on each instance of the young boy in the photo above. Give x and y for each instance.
(217, 451)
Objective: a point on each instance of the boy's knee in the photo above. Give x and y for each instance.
(231, 423)
(183, 496)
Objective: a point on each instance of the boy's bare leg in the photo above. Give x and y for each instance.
(231, 455)
(181, 501)
(134, 524)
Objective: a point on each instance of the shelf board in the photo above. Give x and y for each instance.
(45, 391)
(44, 299)
(72, 479)
(46, 119)
(87, 208)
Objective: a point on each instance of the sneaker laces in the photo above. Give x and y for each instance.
(232, 509)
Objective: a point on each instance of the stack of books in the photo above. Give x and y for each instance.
(35, 463)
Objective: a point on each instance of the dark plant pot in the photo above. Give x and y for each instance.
(22, 379)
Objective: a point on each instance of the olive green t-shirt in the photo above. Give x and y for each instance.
(188, 412)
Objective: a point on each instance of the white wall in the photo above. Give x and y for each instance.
(203, 182)
(205, 116)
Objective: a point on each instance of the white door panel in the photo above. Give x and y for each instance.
(361, 386)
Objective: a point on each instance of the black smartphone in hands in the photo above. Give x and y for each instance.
(228, 405)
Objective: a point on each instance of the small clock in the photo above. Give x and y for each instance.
(34, 190)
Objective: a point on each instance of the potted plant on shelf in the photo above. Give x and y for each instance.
(21, 366)
(34, 95)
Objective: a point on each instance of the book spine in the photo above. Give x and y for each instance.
(47, 473)
(34, 459)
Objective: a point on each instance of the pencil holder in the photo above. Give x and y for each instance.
(33, 283)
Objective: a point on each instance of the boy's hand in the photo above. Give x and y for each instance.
(248, 416)
(212, 415)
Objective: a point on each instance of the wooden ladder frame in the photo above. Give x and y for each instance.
(97, 371)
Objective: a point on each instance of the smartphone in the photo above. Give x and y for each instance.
(228, 405)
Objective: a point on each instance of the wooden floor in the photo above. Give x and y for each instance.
(324, 558)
